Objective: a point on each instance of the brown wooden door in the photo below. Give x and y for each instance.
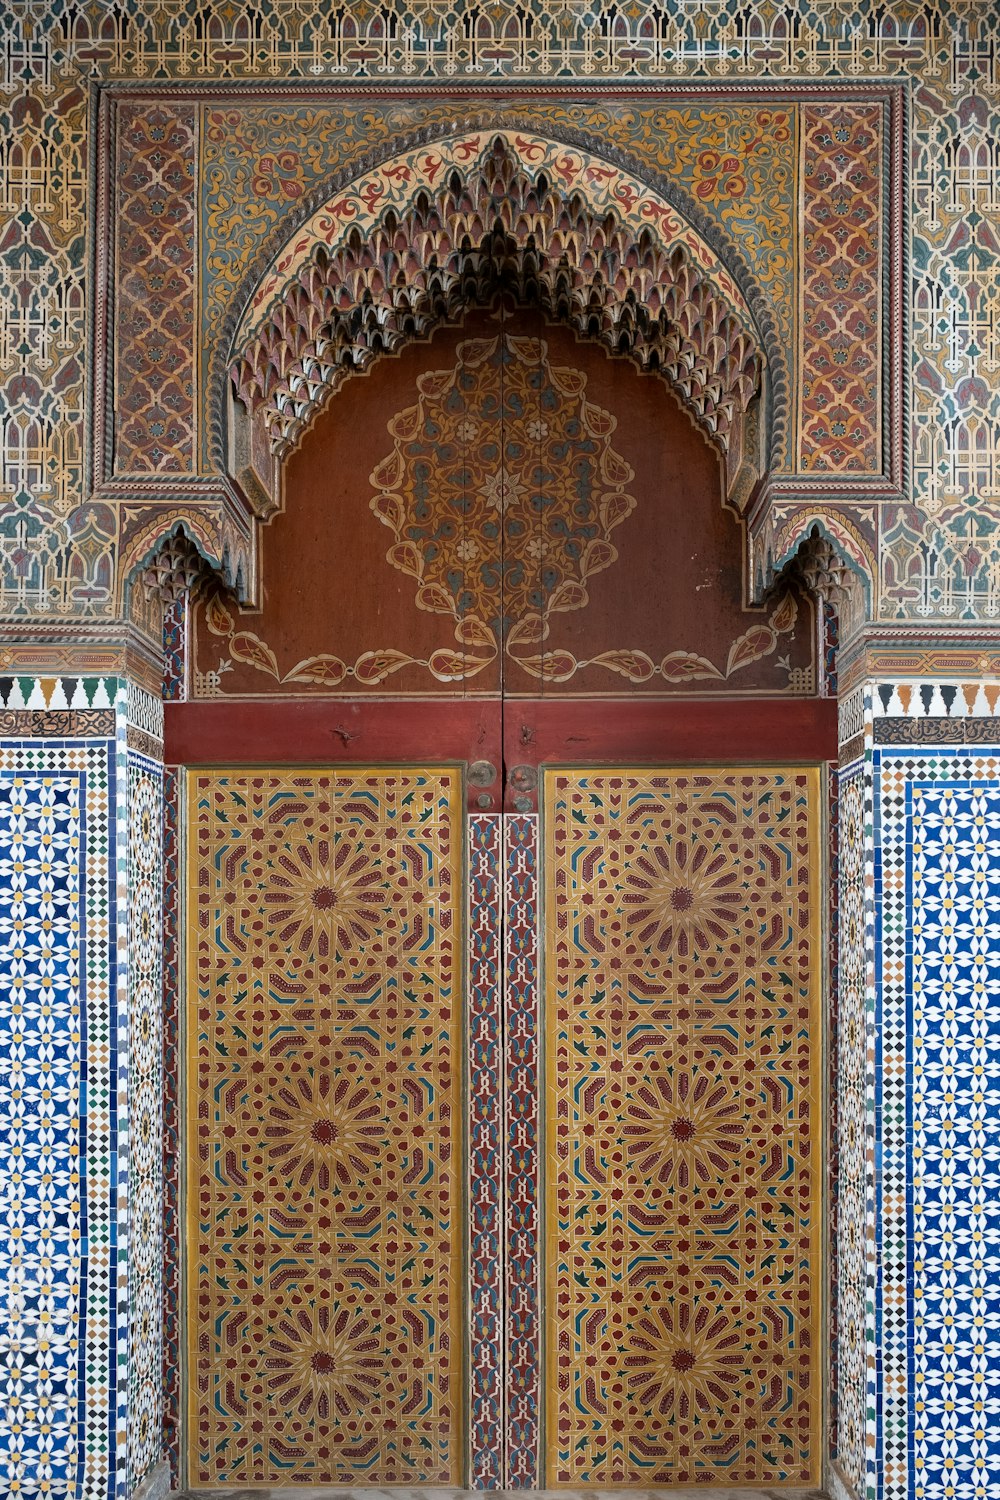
(501, 552)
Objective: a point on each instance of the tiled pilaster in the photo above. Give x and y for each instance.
(80, 812)
(485, 1159)
(523, 1169)
(919, 945)
(854, 1110)
(936, 781)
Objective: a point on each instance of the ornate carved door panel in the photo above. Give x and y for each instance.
(325, 1233)
(683, 1129)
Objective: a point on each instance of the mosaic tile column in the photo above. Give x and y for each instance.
(523, 1168)
(80, 814)
(854, 1260)
(504, 1172)
(142, 1077)
(920, 939)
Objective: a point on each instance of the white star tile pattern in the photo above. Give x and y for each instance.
(57, 1122)
(938, 872)
(856, 1128)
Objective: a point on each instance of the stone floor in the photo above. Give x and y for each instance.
(308, 1492)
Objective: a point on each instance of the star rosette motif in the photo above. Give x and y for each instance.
(684, 1360)
(323, 1130)
(329, 897)
(501, 513)
(325, 1361)
(684, 1127)
(682, 896)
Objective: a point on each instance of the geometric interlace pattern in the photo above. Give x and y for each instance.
(684, 1129)
(43, 928)
(325, 1241)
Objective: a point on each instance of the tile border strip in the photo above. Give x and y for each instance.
(485, 1188)
(521, 1144)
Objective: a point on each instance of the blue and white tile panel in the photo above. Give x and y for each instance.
(145, 1115)
(937, 886)
(59, 997)
(79, 949)
(857, 1396)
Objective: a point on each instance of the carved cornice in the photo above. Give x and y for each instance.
(823, 571)
(827, 572)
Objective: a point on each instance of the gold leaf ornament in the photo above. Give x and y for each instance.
(635, 665)
(406, 557)
(597, 556)
(529, 630)
(387, 475)
(472, 631)
(435, 599)
(784, 615)
(551, 666)
(567, 596)
(324, 669)
(757, 642)
(376, 666)
(452, 666)
(687, 666)
(615, 508)
(389, 509)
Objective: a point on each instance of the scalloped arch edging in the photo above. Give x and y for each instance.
(431, 231)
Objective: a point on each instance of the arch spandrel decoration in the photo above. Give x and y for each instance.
(781, 190)
(434, 230)
(527, 489)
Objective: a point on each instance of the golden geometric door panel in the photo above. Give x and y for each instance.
(324, 1048)
(683, 1138)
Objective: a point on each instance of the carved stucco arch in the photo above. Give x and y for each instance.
(171, 540)
(826, 553)
(410, 241)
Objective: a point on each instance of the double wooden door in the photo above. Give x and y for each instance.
(503, 959)
(503, 1130)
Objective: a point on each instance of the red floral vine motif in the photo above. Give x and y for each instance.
(722, 176)
(677, 666)
(278, 173)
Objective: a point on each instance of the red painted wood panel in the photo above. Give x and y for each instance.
(531, 732)
(331, 730)
(610, 501)
(631, 731)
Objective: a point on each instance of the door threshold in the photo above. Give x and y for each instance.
(428, 1492)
